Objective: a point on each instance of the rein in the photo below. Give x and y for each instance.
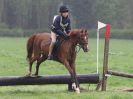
(78, 47)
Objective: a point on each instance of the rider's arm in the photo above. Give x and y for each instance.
(56, 27)
(68, 28)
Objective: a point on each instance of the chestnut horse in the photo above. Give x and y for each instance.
(38, 48)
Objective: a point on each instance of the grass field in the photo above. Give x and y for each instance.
(13, 63)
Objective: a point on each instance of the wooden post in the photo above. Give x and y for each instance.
(105, 61)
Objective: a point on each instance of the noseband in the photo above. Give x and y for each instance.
(80, 44)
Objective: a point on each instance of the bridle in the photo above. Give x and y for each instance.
(80, 44)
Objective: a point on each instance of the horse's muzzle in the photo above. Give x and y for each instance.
(86, 49)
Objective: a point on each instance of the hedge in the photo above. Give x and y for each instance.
(18, 32)
(115, 33)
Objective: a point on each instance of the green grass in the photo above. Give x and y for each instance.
(13, 63)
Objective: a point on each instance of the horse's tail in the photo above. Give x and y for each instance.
(30, 43)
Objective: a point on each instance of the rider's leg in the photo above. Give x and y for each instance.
(53, 37)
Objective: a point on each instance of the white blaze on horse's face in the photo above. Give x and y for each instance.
(84, 41)
(85, 38)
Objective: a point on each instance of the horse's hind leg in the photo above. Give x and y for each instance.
(42, 58)
(30, 68)
(30, 65)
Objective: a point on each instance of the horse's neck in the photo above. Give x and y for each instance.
(72, 42)
(74, 37)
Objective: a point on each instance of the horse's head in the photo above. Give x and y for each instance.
(82, 38)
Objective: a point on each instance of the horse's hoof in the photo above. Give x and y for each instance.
(77, 90)
(28, 75)
(34, 75)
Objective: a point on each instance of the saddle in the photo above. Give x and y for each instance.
(56, 48)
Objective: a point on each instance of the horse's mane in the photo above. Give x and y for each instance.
(75, 32)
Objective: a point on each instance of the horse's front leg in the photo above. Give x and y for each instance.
(75, 85)
(73, 76)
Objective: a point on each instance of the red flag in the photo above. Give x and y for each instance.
(107, 32)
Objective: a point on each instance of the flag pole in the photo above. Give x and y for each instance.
(99, 26)
(97, 49)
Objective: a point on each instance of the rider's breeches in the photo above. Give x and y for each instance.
(53, 37)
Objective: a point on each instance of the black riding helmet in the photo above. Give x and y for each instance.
(63, 8)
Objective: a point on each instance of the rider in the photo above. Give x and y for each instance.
(61, 27)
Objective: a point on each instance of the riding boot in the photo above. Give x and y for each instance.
(50, 56)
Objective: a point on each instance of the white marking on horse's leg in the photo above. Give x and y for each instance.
(87, 46)
(74, 86)
(41, 55)
(32, 55)
(77, 90)
(29, 74)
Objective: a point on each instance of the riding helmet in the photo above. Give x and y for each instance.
(63, 8)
